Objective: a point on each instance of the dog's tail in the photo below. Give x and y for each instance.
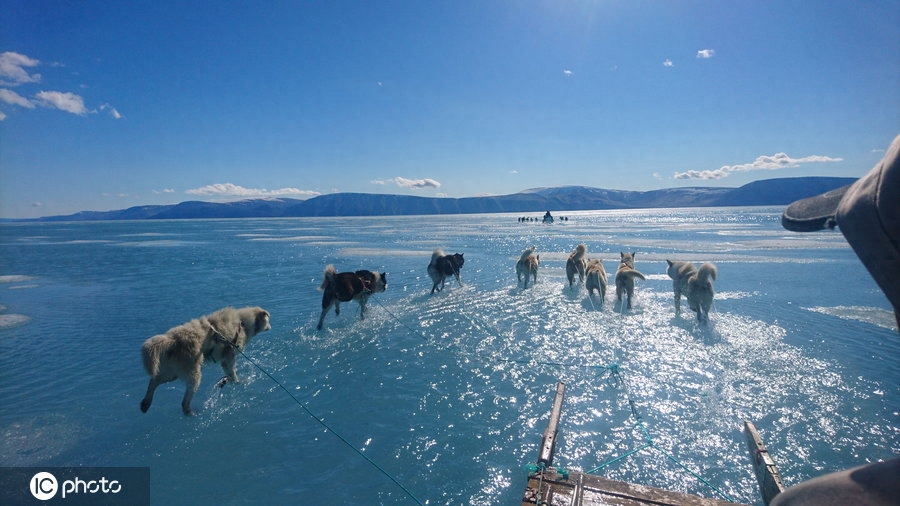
(579, 252)
(526, 253)
(438, 253)
(706, 272)
(150, 353)
(328, 276)
(629, 273)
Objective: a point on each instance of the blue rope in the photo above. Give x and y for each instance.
(329, 429)
(615, 372)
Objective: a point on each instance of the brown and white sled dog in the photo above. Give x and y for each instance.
(347, 286)
(700, 291)
(680, 272)
(576, 264)
(695, 284)
(180, 352)
(527, 266)
(442, 266)
(595, 279)
(625, 276)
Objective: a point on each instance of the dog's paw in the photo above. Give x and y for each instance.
(145, 405)
(222, 382)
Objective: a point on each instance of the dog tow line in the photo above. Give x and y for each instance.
(222, 339)
(329, 429)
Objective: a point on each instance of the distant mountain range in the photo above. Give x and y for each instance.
(565, 198)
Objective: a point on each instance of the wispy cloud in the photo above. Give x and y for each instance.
(14, 72)
(11, 97)
(768, 162)
(668, 63)
(706, 53)
(62, 100)
(12, 69)
(111, 110)
(233, 190)
(567, 73)
(416, 184)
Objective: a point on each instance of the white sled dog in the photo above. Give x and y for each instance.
(625, 276)
(595, 279)
(576, 264)
(180, 352)
(528, 265)
(695, 284)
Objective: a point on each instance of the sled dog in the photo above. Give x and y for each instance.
(528, 266)
(700, 291)
(576, 264)
(347, 286)
(595, 278)
(680, 272)
(695, 284)
(180, 352)
(442, 266)
(625, 276)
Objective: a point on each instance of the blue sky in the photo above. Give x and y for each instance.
(111, 104)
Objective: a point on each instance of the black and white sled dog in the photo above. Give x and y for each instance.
(442, 266)
(346, 286)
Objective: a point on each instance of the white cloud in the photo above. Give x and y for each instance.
(112, 111)
(14, 72)
(767, 162)
(12, 69)
(668, 63)
(2, 116)
(62, 100)
(416, 184)
(706, 53)
(567, 72)
(233, 190)
(11, 97)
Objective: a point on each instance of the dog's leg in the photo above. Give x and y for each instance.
(362, 307)
(155, 381)
(228, 367)
(327, 300)
(192, 384)
(677, 300)
(148, 398)
(322, 316)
